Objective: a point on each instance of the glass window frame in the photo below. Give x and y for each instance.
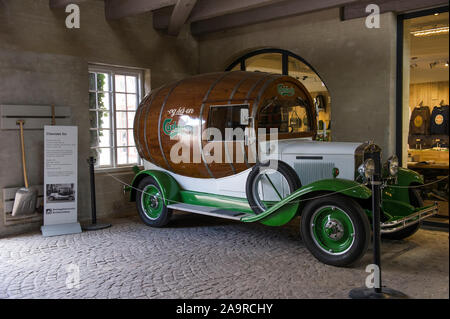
(113, 145)
(228, 107)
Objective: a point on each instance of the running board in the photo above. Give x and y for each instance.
(209, 211)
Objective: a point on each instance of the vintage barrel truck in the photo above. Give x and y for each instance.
(240, 145)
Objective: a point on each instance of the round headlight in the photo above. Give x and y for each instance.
(393, 165)
(367, 169)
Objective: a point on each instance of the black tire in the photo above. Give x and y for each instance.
(165, 214)
(361, 226)
(284, 169)
(415, 200)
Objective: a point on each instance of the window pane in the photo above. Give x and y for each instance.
(120, 83)
(122, 155)
(92, 101)
(93, 138)
(93, 119)
(130, 138)
(286, 116)
(122, 138)
(91, 81)
(103, 101)
(120, 102)
(131, 84)
(102, 82)
(266, 62)
(121, 119)
(131, 102)
(104, 156)
(104, 138)
(237, 67)
(104, 119)
(305, 75)
(131, 119)
(132, 155)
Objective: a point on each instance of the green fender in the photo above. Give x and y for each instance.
(406, 177)
(283, 211)
(168, 185)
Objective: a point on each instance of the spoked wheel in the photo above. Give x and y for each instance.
(269, 183)
(335, 229)
(150, 203)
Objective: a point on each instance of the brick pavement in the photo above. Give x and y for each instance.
(203, 257)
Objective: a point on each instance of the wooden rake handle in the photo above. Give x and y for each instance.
(25, 178)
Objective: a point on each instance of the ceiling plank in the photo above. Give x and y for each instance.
(271, 12)
(207, 9)
(117, 9)
(180, 14)
(358, 10)
(57, 4)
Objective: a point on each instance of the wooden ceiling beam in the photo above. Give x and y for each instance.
(358, 10)
(207, 9)
(274, 11)
(179, 16)
(57, 4)
(116, 9)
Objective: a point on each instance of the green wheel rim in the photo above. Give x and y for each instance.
(151, 202)
(332, 230)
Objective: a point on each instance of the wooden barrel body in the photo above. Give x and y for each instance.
(170, 120)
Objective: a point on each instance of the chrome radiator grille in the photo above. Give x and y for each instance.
(311, 171)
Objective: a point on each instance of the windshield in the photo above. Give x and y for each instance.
(288, 116)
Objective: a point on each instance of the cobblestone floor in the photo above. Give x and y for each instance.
(204, 257)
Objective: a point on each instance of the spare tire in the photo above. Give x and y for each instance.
(262, 189)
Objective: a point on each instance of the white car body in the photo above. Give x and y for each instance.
(312, 160)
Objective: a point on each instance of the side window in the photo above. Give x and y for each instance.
(224, 117)
(286, 116)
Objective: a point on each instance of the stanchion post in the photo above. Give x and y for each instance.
(91, 162)
(93, 226)
(376, 196)
(378, 291)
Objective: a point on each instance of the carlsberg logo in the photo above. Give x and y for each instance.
(172, 129)
(285, 90)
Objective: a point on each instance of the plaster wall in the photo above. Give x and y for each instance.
(357, 65)
(44, 63)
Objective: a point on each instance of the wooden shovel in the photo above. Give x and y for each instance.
(25, 200)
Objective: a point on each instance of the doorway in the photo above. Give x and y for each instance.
(423, 101)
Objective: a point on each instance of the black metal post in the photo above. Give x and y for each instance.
(376, 195)
(91, 162)
(377, 292)
(93, 226)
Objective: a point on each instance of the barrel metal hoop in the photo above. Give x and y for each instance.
(201, 118)
(261, 91)
(137, 127)
(253, 106)
(136, 130)
(145, 121)
(159, 123)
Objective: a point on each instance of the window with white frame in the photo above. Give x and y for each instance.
(114, 94)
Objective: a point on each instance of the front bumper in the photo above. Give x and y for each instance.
(396, 225)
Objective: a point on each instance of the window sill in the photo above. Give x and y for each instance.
(122, 169)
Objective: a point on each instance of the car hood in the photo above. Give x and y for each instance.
(300, 146)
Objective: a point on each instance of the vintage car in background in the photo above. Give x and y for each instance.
(325, 183)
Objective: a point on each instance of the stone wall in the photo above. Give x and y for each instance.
(44, 63)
